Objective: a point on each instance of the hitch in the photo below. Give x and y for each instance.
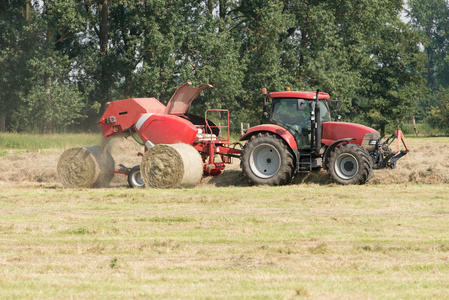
(399, 153)
(384, 157)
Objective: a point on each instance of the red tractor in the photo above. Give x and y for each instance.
(300, 137)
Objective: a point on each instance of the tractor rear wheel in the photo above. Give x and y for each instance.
(267, 159)
(350, 164)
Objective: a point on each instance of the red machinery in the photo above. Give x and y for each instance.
(156, 124)
(299, 139)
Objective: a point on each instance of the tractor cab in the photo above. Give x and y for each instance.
(295, 111)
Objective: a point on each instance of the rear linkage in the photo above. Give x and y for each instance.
(384, 157)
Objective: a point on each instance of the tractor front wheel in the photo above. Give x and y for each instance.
(267, 159)
(350, 164)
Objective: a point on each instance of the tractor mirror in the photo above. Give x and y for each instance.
(301, 104)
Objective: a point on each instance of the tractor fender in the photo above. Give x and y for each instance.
(276, 129)
(332, 147)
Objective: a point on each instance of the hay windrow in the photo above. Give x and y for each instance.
(427, 163)
(85, 167)
(171, 166)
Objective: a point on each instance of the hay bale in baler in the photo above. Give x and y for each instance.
(85, 167)
(171, 166)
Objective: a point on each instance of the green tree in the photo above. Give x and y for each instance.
(439, 113)
(104, 50)
(14, 43)
(31, 64)
(395, 79)
(210, 55)
(57, 108)
(431, 19)
(269, 56)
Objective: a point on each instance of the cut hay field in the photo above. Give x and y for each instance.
(224, 239)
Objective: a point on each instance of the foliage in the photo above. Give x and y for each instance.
(57, 107)
(430, 19)
(360, 52)
(394, 79)
(439, 113)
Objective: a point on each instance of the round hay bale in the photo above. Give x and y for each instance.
(171, 166)
(85, 167)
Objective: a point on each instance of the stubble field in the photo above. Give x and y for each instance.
(225, 239)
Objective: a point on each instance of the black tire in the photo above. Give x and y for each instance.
(267, 159)
(135, 179)
(350, 164)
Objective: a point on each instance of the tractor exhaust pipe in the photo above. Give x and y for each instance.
(318, 128)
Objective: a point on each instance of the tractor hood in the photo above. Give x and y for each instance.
(333, 131)
(182, 99)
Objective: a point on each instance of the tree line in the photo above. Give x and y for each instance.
(62, 60)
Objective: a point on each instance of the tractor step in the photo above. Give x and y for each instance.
(305, 163)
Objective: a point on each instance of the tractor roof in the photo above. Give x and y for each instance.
(299, 94)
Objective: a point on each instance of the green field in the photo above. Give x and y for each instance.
(223, 239)
(310, 241)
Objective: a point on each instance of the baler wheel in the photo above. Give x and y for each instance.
(267, 159)
(350, 164)
(135, 178)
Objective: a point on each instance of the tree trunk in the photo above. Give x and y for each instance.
(48, 81)
(2, 122)
(104, 28)
(222, 13)
(414, 127)
(103, 10)
(3, 8)
(47, 124)
(27, 9)
(210, 6)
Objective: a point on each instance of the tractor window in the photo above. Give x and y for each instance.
(324, 112)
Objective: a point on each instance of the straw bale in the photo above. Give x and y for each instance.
(85, 167)
(172, 166)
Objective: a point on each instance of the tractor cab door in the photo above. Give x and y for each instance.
(294, 115)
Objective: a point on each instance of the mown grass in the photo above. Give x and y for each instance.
(309, 241)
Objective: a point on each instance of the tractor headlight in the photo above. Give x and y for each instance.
(370, 141)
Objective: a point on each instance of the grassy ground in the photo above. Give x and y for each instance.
(307, 240)
(334, 242)
(13, 143)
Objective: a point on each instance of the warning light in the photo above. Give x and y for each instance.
(264, 91)
(287, 89)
